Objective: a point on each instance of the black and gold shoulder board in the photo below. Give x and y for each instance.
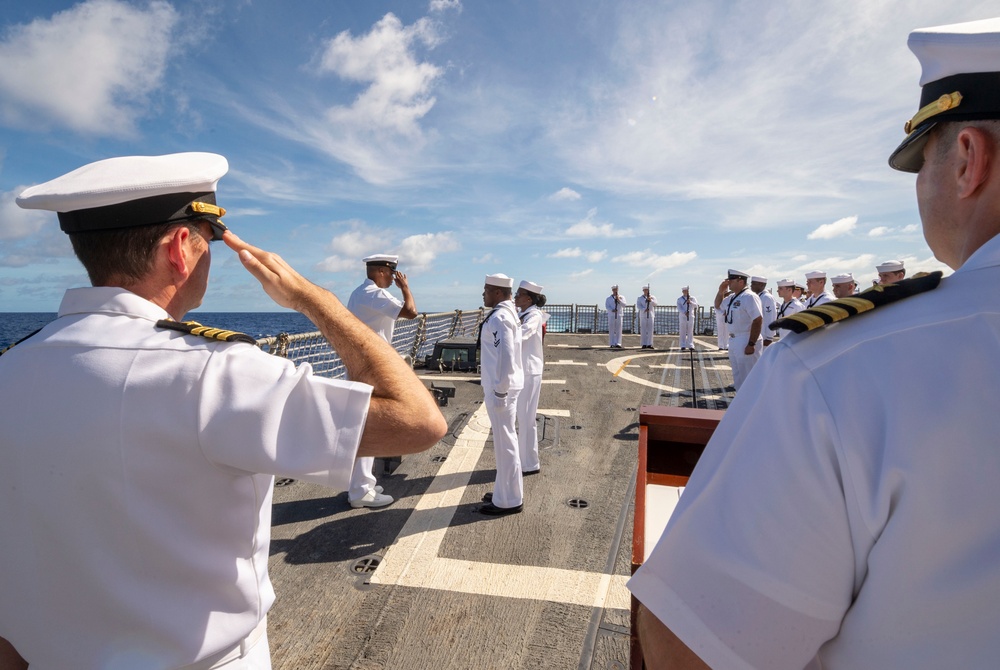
(195, 328)
(6, 349)
(876, 296)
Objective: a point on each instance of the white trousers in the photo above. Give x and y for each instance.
(362, 478)
(615, 329)
(251, 653)
(721, 329)
(646, 326)
(527, 428)
(686, 331)
(508, 490)
(740, 362)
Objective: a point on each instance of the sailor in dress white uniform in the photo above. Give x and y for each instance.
(615, 306)
(529, 299)
(378, 309)
(789, 305)
(687, 315)
(502, 380)
(743, 317)
(768, 307)
(816, 285)
(645, 307)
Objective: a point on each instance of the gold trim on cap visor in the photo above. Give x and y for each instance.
(942, 104)
(207, 208)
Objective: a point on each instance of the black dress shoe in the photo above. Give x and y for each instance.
(531, 472)
(488, 497)
(492, 510)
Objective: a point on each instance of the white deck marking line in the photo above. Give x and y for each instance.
(554, 412)
(413, 559)
(616, 366)
(566, 362)
(553, 381)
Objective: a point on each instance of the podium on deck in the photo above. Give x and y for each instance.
(671, 440)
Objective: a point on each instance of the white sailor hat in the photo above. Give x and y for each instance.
(388, 260)
(685, 288)
(530, 286)
(785, 283)
(960, 76)
(132, 191)
(890, 266)
(499, 279)
(614, 286)
(645, 287)
(758, 280)
(816, 274)
(843, 279)
(738, 274)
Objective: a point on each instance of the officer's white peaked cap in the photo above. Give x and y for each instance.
(388, 260)
(132, 191)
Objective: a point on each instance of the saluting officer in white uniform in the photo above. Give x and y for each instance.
(768, 307)
(744, 319)
(645, 305)
(502, 380)
(816, 285)
(789, 305)
(844, 285)
(687, 314)
(890, 272)
(615, 306)
(378, 309)
(529, 300)
(151, 446)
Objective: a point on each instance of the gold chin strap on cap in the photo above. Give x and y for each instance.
(942, 104)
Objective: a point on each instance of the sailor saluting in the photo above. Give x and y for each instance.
(143, 538)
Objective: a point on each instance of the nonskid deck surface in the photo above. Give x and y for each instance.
(428, 583)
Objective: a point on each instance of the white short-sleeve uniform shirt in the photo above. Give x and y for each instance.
(136, 474)
(376, 308)
(865, 532)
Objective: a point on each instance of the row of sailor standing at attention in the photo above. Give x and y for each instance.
(511, 362)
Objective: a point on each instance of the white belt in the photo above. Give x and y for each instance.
(238, 650)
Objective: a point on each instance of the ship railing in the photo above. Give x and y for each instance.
(414, 339)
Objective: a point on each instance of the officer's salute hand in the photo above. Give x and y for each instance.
(280, 281)
(400, 280)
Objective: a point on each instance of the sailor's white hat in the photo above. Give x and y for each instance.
(758, 280)
(499, 279)
(960, 80)
(843, 279)
(388, 260)
(890, 266)
(132, 191)
(816, 274)
(614, 286)
(530, 286)
(733, 274)
(785, 283)
(685, 288)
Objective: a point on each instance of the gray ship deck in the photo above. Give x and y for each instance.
(454, 589)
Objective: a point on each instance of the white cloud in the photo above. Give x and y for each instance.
(912, 228)
(17, 223)
(90, 68)
(565, 193)
(655, 262)
(582, 273)
(596, 256)
(589, 228)
(879, 231)
(418, 252)
(398, 92)
(828, 231)
(443, 5)
(574, 252)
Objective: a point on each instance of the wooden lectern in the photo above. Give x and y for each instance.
(671, 440)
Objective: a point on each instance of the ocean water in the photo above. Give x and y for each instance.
(15, 325)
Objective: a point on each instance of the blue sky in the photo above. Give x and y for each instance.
(575, 143)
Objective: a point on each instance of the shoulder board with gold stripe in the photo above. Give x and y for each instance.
(195, 328)
(6, 349)
(876, 296)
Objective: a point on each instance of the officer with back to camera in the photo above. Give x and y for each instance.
(151, 445)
